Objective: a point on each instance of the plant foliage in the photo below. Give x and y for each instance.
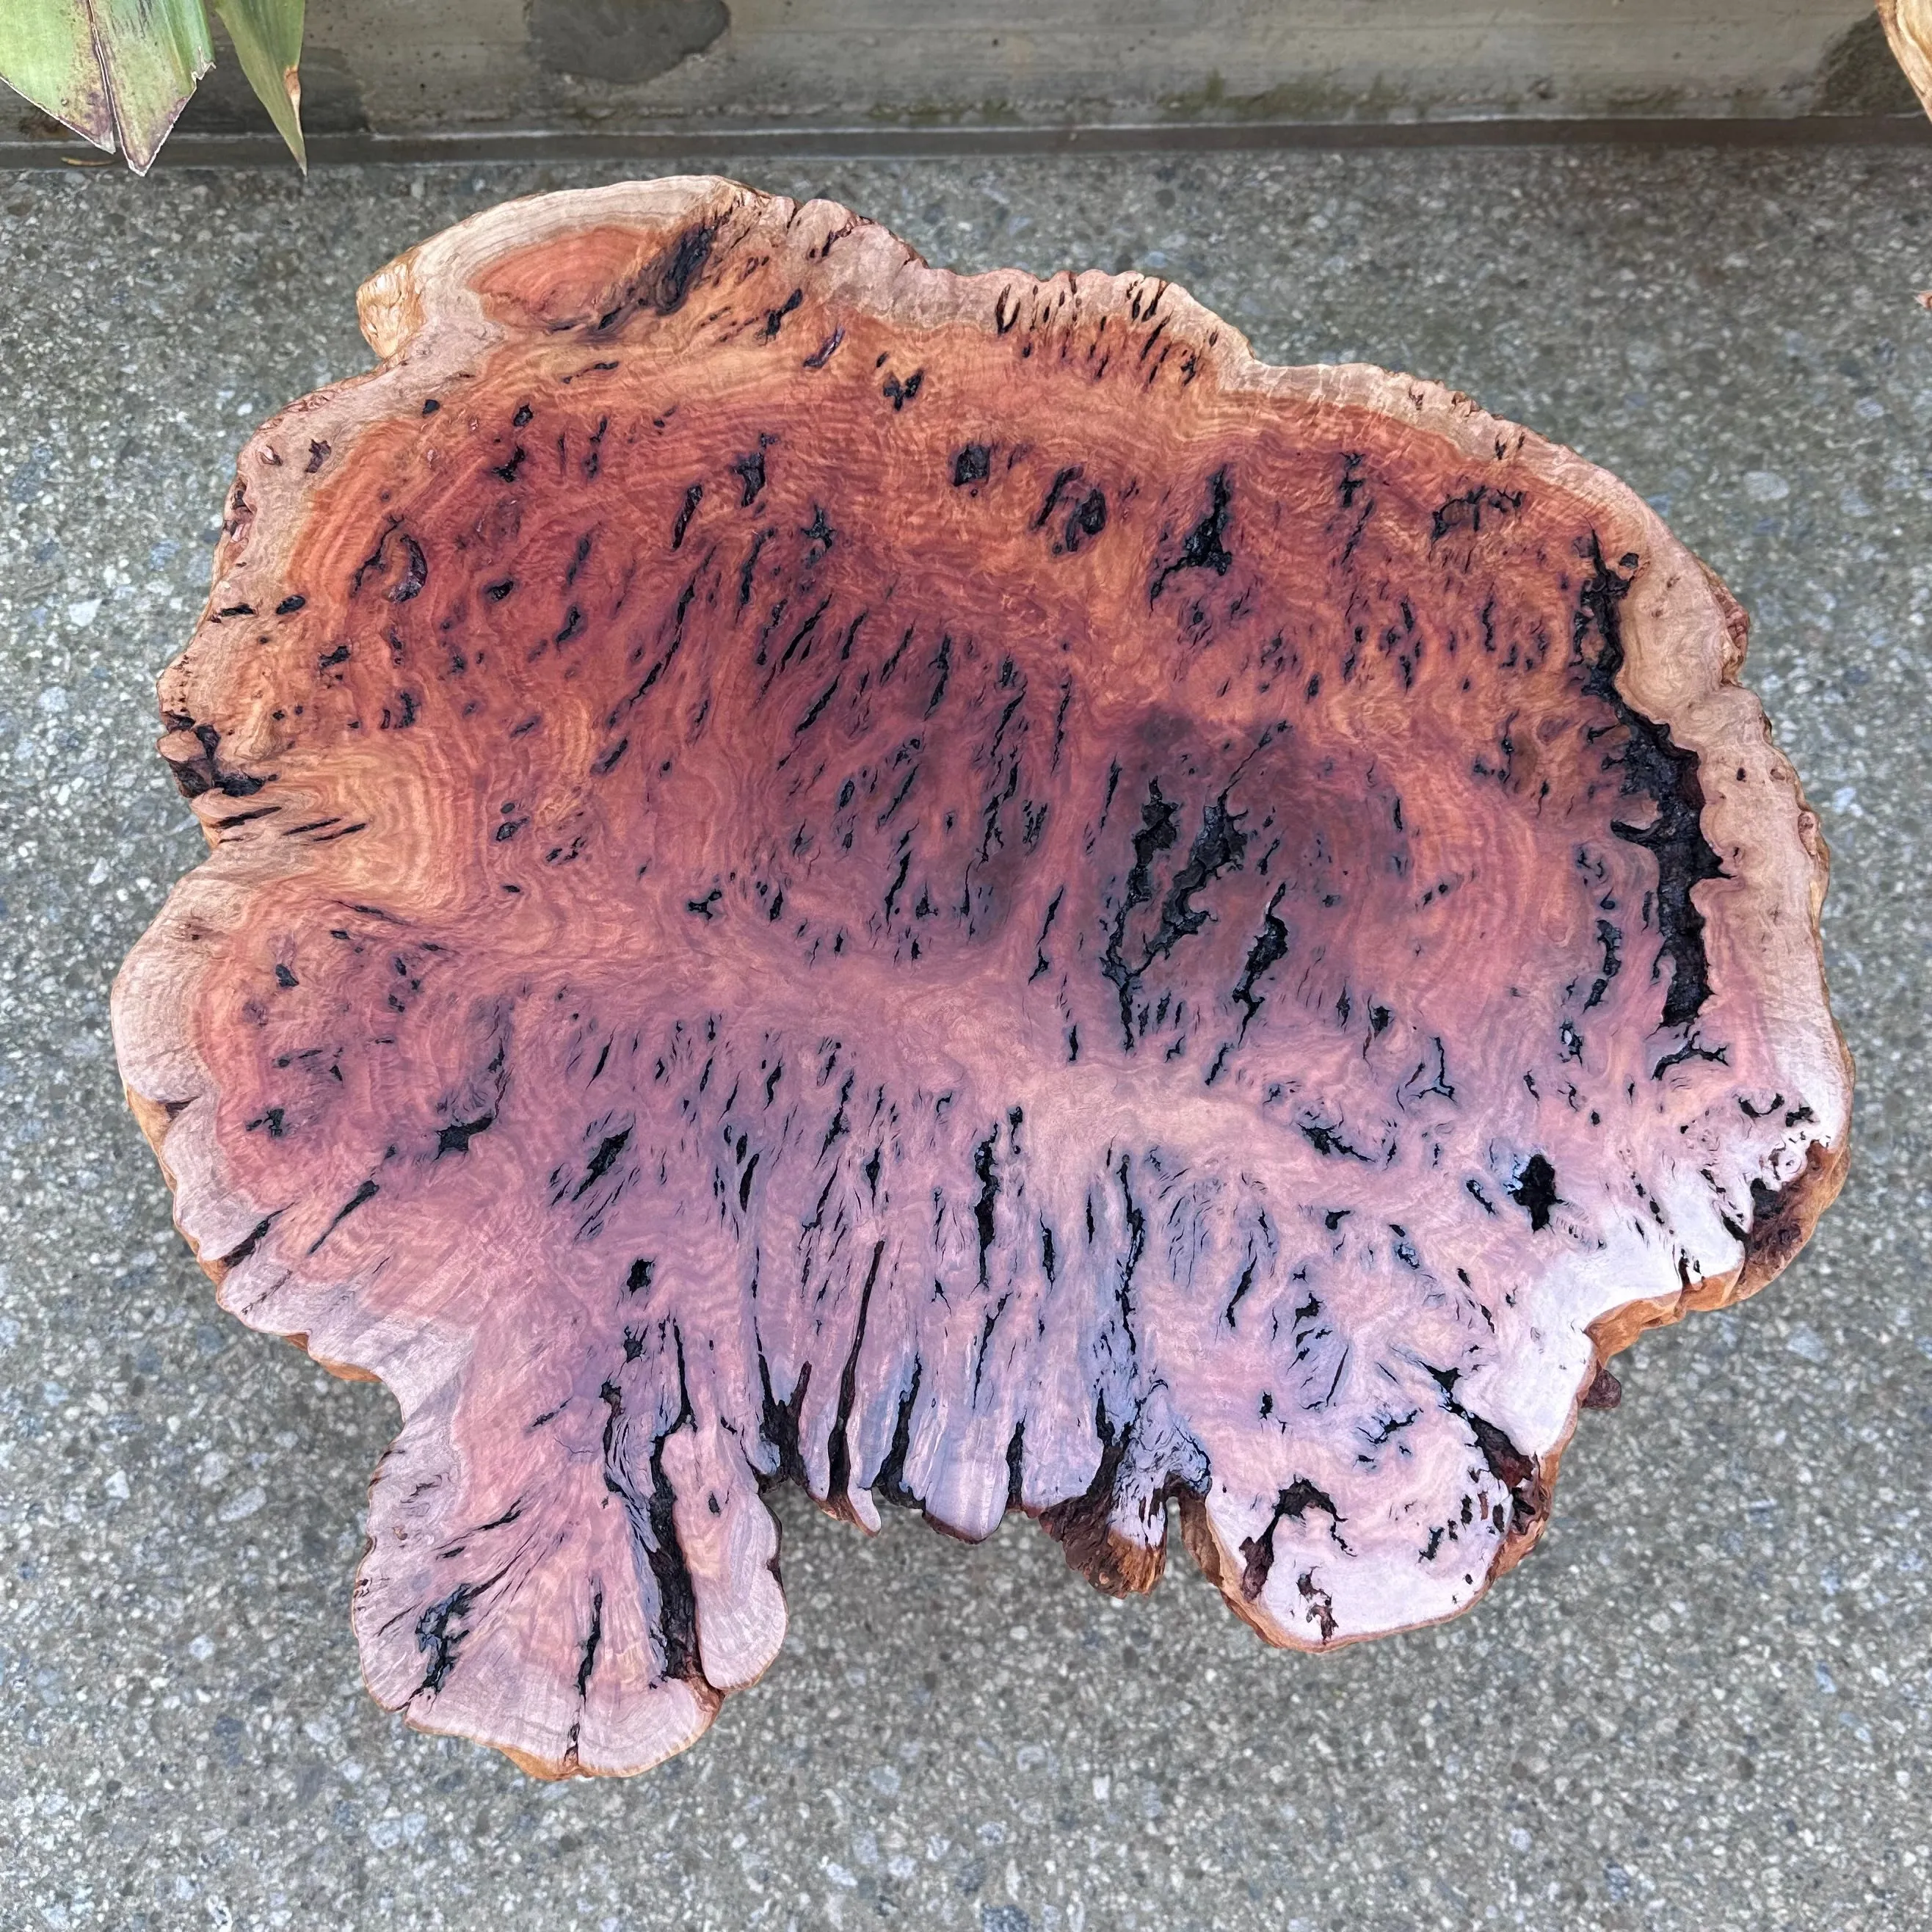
(119, 72)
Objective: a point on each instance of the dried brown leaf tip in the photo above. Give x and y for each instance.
(950, 891)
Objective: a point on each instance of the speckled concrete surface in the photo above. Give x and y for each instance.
(1705, 1703)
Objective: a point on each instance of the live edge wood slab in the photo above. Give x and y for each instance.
(947, 890)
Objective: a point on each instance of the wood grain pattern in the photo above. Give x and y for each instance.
(1908, 31)
(948, 890)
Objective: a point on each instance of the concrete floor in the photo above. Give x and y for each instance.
(1705, 1703)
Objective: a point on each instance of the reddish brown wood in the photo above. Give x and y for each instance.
(950, 890)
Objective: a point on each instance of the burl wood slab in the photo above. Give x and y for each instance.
(948, 890)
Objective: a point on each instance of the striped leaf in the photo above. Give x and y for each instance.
(267, 36)
(119, 72)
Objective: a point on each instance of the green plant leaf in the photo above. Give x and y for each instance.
(268, 37)
(46, 53)
(108, 69)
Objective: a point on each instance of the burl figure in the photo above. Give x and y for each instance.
(946, 889)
